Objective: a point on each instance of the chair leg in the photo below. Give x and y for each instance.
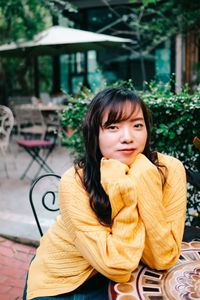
(41, 161)
(43, 164)
(6, 169)
(4, 161)
(28, 167)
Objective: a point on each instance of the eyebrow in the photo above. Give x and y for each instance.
(137, 119)
(131, 119)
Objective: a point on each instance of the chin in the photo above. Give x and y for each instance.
(126, 162)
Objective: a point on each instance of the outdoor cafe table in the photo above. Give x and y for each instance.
(44, 107)
(50, 107)
(49, 112)
(182, 281)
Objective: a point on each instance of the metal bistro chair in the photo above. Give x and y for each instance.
(30, 121)
(43, 194)
(34, 124)
(33, 148)
(43, 197)
(18, 100)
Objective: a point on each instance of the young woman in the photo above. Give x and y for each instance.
(120, 204)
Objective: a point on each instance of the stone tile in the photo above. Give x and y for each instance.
(12, 272)
(5, 251)
(19, 283)
(3, 277)
(11, 262)
(16, 293)
(20, 256)
(22, 248)
(4, 288)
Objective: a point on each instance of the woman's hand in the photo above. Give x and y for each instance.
(117, 184)
(112, 169)
(141, 165)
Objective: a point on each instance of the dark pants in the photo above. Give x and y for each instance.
(95, 288)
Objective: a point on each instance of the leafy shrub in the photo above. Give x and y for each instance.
(176, 121)
(73, 117)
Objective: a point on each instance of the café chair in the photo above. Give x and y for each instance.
(33, 148)
(6, 126)
(43, 195)
(29, 121)
(42, 186)
(18, 100)
(52, 122)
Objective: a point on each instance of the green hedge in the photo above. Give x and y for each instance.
(176, 121)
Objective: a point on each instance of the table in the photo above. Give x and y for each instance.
(182, 281)
(43, 107)
(50, 108)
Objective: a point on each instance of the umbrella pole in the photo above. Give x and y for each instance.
(56, 75)
(85, 81)
(36, 77)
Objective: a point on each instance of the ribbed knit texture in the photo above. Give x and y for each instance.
(148, 224)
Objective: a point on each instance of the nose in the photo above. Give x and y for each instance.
(126, 135)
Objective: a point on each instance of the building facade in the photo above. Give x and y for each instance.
(178, 57)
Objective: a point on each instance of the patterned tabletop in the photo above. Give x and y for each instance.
(182, 281)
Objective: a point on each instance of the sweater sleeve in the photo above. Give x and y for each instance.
(113, 251)
(162, 210)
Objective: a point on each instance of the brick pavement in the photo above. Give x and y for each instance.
(14, 262)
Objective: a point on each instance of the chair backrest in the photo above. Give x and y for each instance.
(43, 196)
(6, 125)
(30, 120)
(18, 100)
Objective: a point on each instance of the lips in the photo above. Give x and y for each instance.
(127, 149)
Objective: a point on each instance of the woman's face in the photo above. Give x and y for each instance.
(124, 140)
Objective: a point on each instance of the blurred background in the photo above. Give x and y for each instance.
(165, 44)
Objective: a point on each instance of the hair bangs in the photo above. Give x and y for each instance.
(116, 111)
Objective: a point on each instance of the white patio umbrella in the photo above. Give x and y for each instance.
(58, 40)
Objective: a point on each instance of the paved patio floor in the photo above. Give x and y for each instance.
(14, 262)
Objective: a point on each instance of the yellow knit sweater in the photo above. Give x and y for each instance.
(148, 224)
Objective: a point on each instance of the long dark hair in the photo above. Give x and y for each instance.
(112, 99)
